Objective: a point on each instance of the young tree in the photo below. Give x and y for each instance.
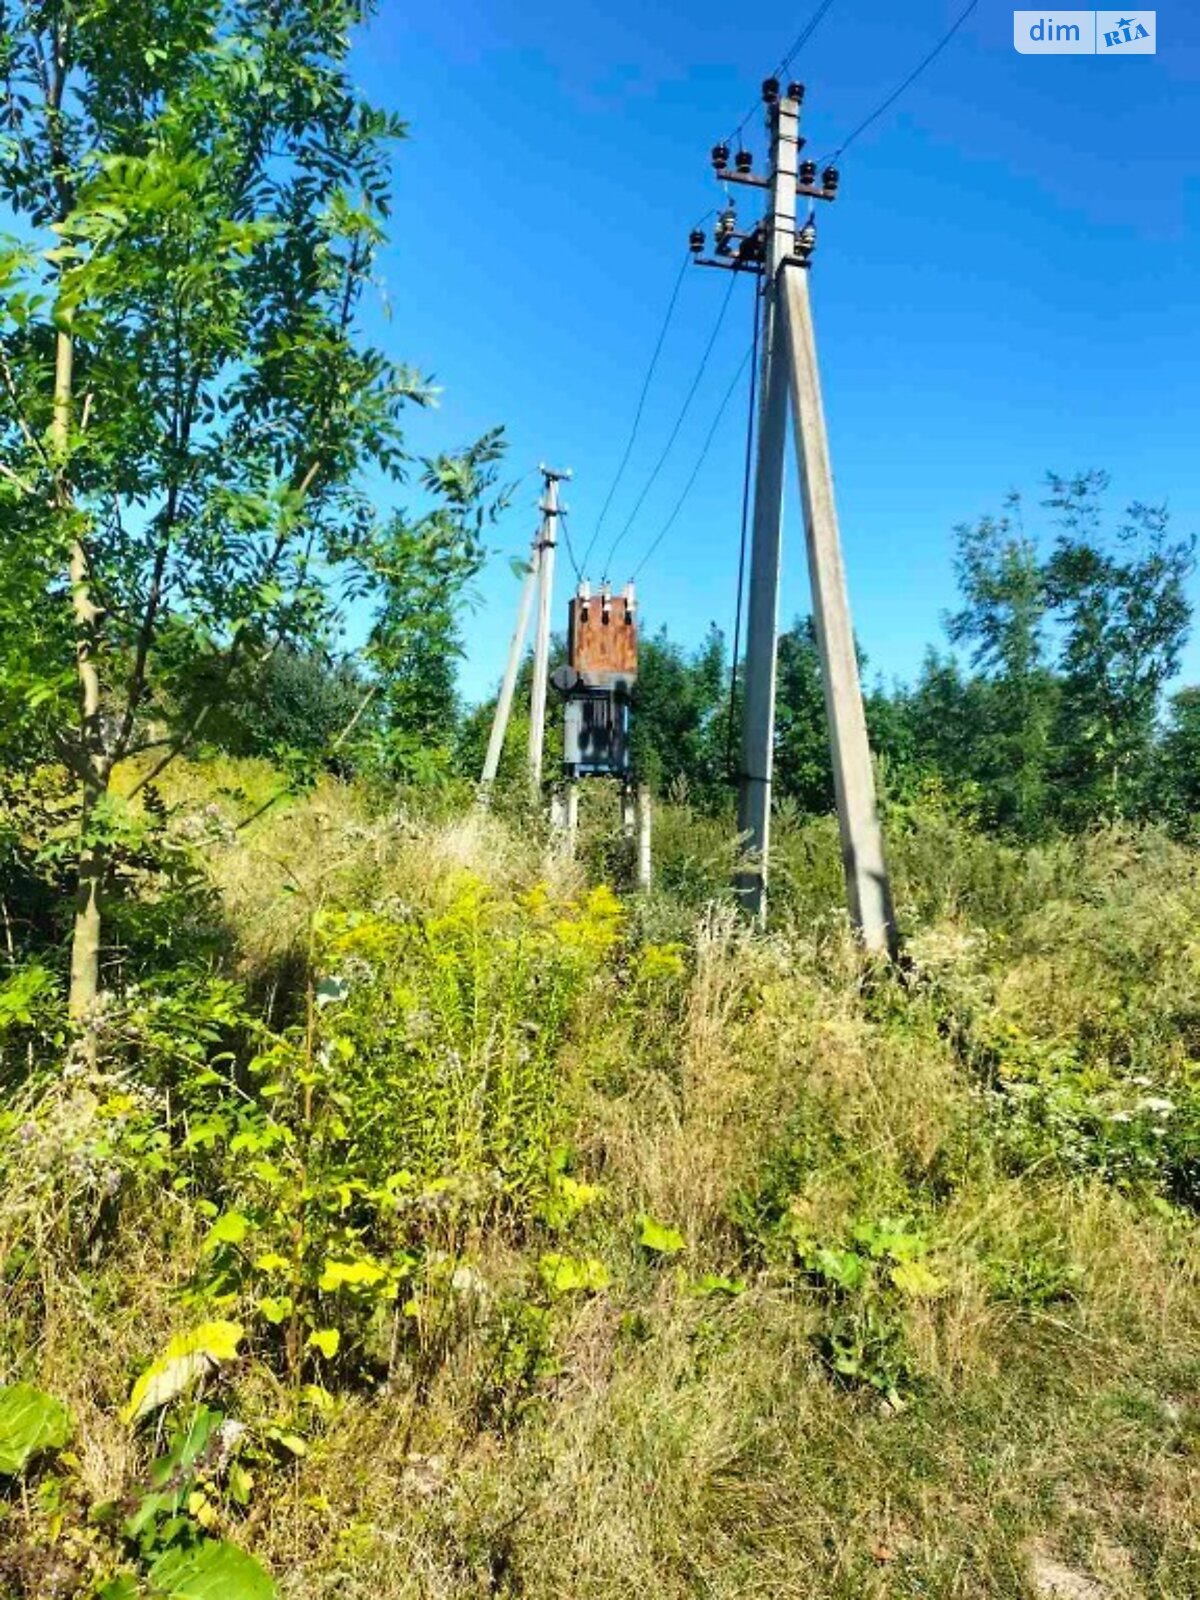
(1125, 615)
(803, 767)
(416, 580)
(1177, 767)
(188, 398)
(680, 716)
(1002, 620)
(946, 711)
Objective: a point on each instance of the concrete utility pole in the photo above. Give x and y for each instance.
(782, 256)
(541, 645)
(762, 623)
(644, 824)
(867, 888)
(495, 747)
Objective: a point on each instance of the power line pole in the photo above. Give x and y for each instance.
(762, 622)
(867, 887)
(503, 711)
(547, 544)
(779, 253)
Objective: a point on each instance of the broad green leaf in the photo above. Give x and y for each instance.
(276, 1307)
(351, 1275)
(291, 1442)
(326, 1340)
(845, 1268)
(916, 1279)
(31, 1421)
(211, 1570)
(272, 1262)
(187, 1357)
(122, 1587)
(713, 1283)
(232, 1228)
(568, 1274)
(658, 1238)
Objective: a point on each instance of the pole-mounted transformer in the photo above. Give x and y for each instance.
(597, 684)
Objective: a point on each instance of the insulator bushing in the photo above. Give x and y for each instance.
(830, 178)
(808, 172)
(696, 241)
(796, 92)
(720, 156)
(770, 90)
(743, 161)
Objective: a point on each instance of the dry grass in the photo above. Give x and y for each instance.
(698, 1445)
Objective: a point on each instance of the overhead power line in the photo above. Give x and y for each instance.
(801, 39)
(700, 460)
(641, 406)
(674, 434)
(565, 524)
(747, 474)
(886, 105)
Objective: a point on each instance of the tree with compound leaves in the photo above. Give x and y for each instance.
(187, 399)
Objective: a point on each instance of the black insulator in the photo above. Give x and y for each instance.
(743, 161)
(808, 172)
(696, 241)
(796, 92)
(830, 177)
(720, 156)
(770, 90)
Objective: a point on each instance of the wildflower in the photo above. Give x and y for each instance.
(1156, 1103)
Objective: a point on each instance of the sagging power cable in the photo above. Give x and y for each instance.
(641, 404)
(674, 434)
(890, 101)
(695, 473)
(801, 39)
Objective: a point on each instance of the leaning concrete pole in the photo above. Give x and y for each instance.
(491, 762)
(541, 642)
(758, 712)
(867, 887)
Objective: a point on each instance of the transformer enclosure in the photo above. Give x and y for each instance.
(597, 684)
(596, 735)
(602, 639)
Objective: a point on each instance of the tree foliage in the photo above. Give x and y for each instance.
(190, 400)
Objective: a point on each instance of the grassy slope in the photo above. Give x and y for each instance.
(1032, 1387)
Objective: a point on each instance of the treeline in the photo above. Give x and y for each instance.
(1048, 707)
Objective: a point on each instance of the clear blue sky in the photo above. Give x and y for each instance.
(1009, 281)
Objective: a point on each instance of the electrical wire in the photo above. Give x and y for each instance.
(565, 524)
(641, 404)
(700, 460)
(887, 104)
(802, 38)
(679, 421)
(751, 419)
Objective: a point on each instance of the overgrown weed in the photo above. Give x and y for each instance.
(581, 1246)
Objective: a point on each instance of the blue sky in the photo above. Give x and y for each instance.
(1009, 281)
